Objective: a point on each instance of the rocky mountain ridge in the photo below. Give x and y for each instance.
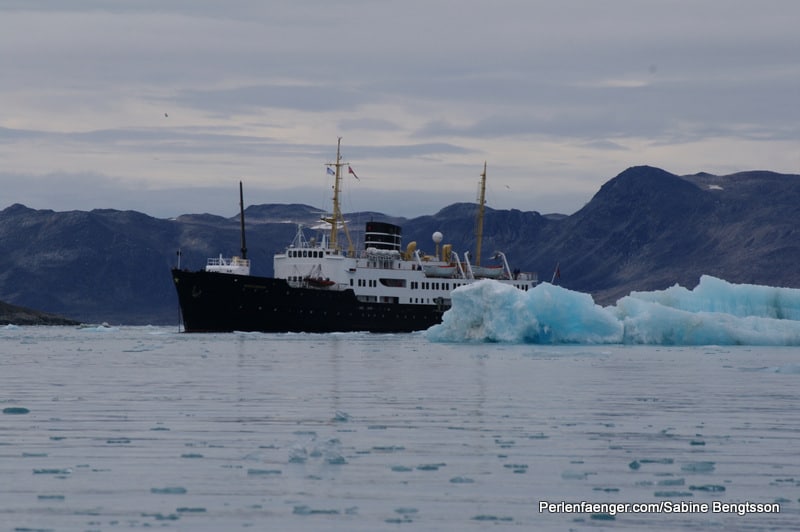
(645, 229)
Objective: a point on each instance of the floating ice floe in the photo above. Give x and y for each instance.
(715, 312)
(103, 327)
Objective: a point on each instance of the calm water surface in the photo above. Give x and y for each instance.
(135, 428)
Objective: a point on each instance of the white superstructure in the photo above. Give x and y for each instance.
(385, 275)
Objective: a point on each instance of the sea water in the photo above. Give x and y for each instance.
(131, 428)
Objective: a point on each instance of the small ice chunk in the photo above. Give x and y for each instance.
(16, 410)
(260, 472)
(171, 490)
(698, 467)
(53, 471)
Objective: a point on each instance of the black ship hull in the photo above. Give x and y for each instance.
(217, 302)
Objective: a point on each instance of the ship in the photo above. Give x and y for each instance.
(324, 284)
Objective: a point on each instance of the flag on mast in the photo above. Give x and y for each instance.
(330, 171)
(350, 171)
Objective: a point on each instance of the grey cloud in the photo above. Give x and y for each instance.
(407, 150)
(368, 124)
(424, 79)
(314, 98)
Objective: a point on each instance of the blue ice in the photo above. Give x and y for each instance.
(715, 312)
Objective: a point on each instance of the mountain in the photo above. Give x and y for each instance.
(645, 229)
(11, 314)
(648, 229)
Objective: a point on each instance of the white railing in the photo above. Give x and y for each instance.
(235, 265)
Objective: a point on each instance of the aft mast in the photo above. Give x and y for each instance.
(479, 221)
(241, 218)
(337, 219)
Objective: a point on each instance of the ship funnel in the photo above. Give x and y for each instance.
(382, 235)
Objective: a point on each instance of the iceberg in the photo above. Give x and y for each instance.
(715, 312)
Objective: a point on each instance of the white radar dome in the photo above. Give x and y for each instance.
(437, 237)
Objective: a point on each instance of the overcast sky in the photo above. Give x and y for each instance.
(163, 106)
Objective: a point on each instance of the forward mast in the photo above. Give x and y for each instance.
(337, 219)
